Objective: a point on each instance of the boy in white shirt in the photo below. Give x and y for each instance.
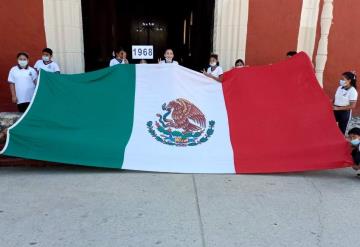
(120, 58)
(22, 79)
(46, 62)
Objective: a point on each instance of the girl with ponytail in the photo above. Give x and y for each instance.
(345, 99)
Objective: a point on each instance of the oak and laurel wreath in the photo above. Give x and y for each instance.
(205, 138)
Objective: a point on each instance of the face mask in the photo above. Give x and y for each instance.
(342, 83)
(23, 63)
(213, 64)
(355, 142)
(46, 58)
(168, 60)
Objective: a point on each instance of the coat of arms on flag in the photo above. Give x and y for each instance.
(182, 124)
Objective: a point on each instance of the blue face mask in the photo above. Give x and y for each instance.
(355, 142)
(342, 83)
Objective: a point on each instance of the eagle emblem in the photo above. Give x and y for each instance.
(182, 124)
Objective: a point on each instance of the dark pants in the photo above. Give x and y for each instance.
(356, 155)
(342, 118)
(23, 106)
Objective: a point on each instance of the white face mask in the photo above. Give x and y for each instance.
(168, 60)
(213, 64)
(46, 58)
(23, 63)
(342, 82)
(355, 142)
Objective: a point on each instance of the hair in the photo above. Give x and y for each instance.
(48, 50)
(350, 76)
(291, 53)
(22, 54)
(214, 56)
(354, 131)
(239, 61)
(168, 49)
(118, 49)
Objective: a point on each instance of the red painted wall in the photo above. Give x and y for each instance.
(343, 47)
(273, 28)
(21, 29)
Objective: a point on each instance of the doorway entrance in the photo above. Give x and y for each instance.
(186, 26)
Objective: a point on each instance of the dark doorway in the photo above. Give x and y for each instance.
(186, 26)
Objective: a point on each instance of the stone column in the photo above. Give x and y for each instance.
(230, 30)
(308, 25)
(322, 51)
(64, 33)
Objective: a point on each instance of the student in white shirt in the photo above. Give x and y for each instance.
(120, 57)
(214, 71)
(46, 62)
(169, 57)
(239, 63)
(290, 54)
(22, 79)
(143, 61)
(345, 100)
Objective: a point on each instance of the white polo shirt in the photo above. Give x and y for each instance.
(218, 71)
(24, 83)
(343, 96)
(51, 67)
(115, 61)
(164, 61)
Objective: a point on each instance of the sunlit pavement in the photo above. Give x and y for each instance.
(75, 206)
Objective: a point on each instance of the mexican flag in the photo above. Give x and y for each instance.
(167, 118)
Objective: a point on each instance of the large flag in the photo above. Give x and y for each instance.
(167, 118)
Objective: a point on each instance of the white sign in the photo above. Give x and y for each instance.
(142, 52)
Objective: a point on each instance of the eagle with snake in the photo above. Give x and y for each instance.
(184, 115)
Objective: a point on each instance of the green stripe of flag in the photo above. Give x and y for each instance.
(64, 126)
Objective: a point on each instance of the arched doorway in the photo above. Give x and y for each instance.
(184, 25)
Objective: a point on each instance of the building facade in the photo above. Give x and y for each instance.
(83, 33)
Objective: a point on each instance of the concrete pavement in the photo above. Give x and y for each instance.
(76, 206)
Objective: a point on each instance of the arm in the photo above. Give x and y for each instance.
(345, 108)
(221, 78)
(34, 76)
(13, 93)
(218, 79)
(57, 68)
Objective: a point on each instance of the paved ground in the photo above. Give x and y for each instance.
(76, 206)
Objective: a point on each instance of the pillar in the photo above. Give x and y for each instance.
(230, 30)
(308, 25)
(64, 33)
(322, 51)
